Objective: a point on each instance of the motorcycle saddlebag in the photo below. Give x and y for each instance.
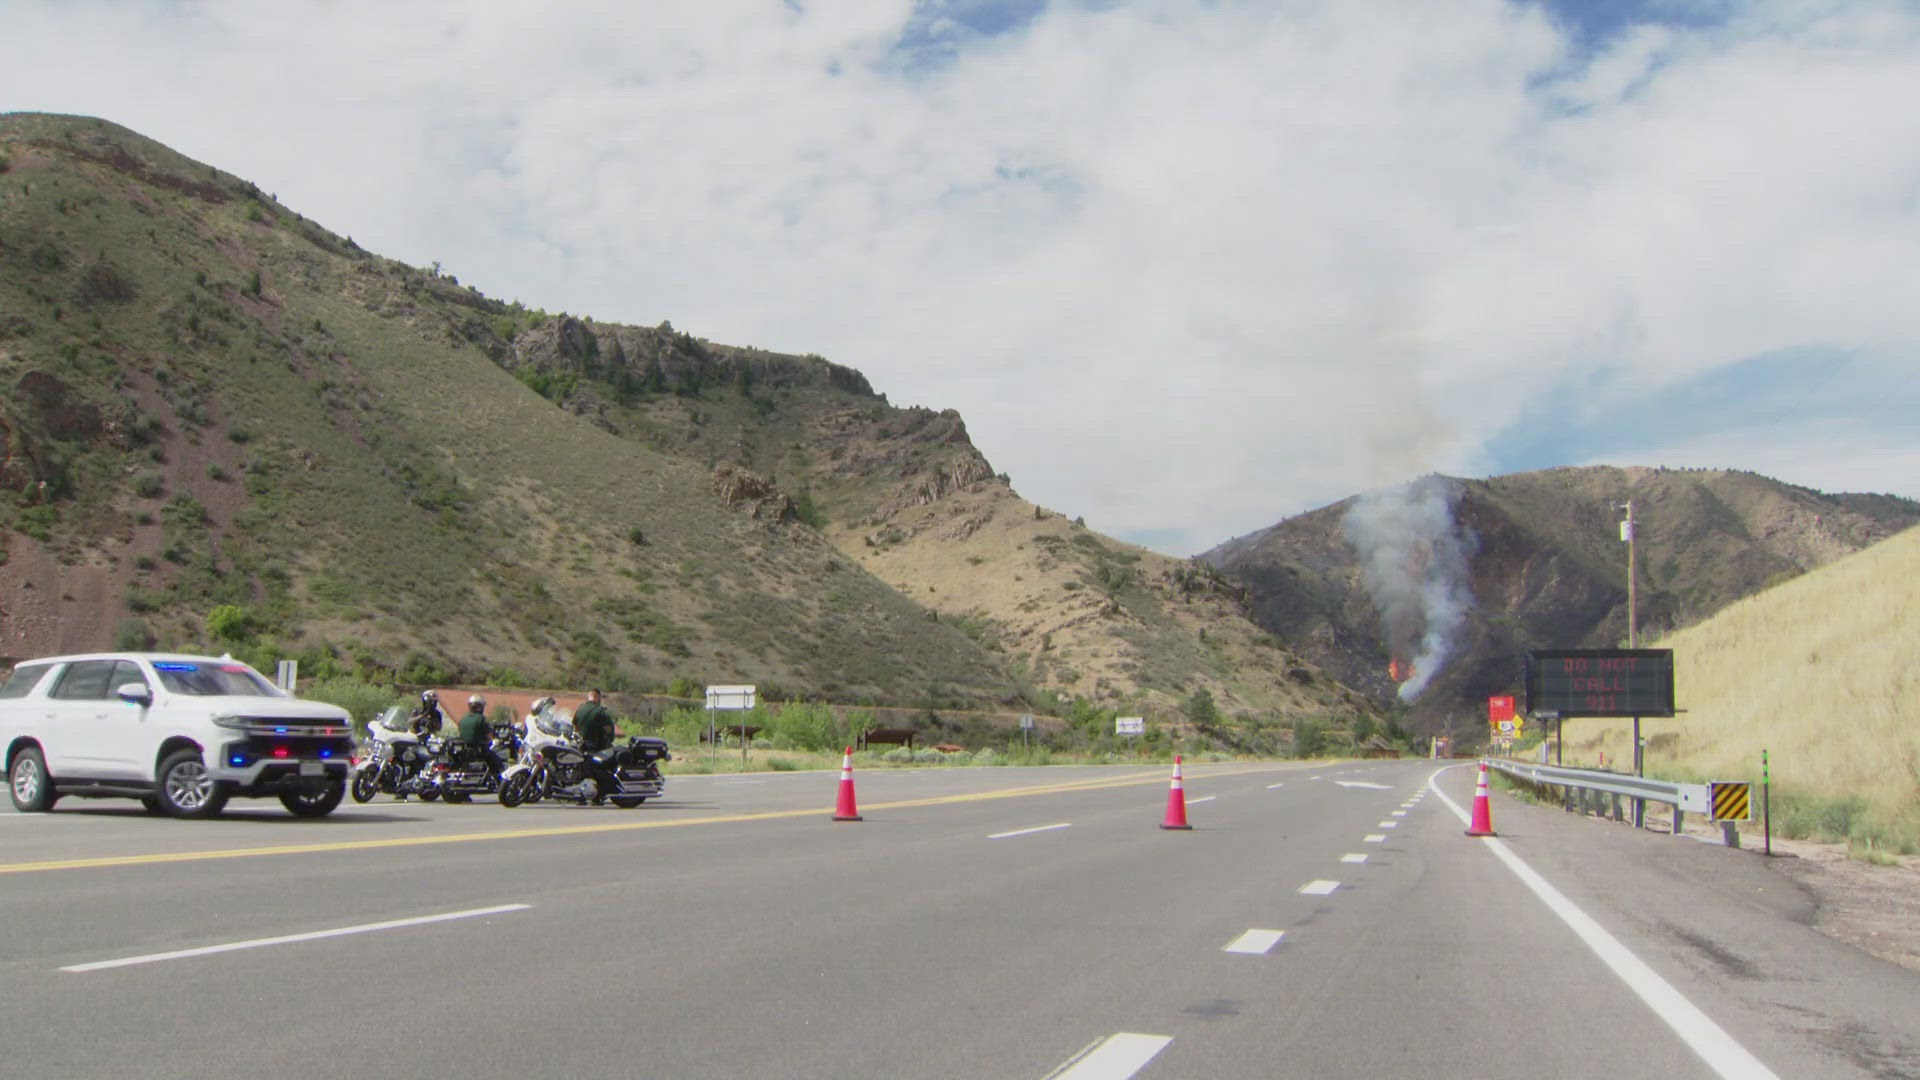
(647, 748)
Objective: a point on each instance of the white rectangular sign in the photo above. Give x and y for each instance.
(729, 698)
(1129, 725)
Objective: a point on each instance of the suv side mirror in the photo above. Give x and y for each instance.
(135, 693)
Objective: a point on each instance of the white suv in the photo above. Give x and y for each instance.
(180, 733)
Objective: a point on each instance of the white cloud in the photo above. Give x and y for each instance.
(1184, 266)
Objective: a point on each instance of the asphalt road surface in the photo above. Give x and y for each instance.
(1319, 920)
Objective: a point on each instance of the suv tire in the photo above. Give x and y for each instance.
(186, 789)
(314, 804)
(31, 786)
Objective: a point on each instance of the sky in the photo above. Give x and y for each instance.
(1185, 267)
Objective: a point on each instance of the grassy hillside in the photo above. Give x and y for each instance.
(212, 401)
(1547, 569)
(225, 425)
(1820, 672)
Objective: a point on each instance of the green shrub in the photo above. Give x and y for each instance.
(149, 485)
(37, 522)
(363, 699)
(132, 636)
(899, 755)
(229, 623)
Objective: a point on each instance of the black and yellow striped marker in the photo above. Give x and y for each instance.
(1732, 800)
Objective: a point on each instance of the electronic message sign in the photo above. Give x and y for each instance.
(1600, 682)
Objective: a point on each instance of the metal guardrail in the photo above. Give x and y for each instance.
(1591, 784)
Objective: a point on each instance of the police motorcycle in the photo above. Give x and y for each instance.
(394, 760)
(552, 765)
(457, 772)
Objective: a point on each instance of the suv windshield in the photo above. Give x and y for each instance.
(224, 679)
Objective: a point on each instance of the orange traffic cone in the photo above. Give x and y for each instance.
(1176, 801)
(1482, 812)
(846, 810)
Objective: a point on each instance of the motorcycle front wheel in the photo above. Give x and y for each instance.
(628, 802)
(514, 791)
(429, 794)
(366, 784)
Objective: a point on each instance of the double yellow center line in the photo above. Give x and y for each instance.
(157, 858)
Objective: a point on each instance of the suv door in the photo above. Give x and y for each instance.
(132, 734)
(85, 723)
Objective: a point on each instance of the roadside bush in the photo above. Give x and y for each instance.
(132, 635)
(229, 623)
(988, 757)
(780, 764)
(363, 699)
(899, 755)
(929, 757)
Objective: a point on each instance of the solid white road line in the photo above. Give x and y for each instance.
(1115, 1057)
(1374, 838)
(1319, 888)
(1255, 942)
(1353, 858)
(1362, 784)
(393, 924)
(1035, 829)
(1704, 1037)
(1208, 798)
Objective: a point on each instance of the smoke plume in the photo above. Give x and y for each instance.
(1413, 559)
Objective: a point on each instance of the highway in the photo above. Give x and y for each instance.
(1319, 920)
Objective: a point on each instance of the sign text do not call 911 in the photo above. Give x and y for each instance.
(1600, 682)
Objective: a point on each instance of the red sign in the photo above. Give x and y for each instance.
(1498, 709)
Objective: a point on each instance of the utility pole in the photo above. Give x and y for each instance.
(1633, 642)
(1633, 625)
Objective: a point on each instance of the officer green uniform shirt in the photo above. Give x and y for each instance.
(473, 729)
(595, 725)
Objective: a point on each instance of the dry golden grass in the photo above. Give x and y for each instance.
(1819, 672)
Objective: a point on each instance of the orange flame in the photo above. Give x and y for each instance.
(1398, 670)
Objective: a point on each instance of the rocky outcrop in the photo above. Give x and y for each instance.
(741, 489)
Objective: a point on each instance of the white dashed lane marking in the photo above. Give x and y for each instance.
(1353, 858)
(1389, 825)
(290, 939)
(1255, 942)
(1035, 829)
(1319, 888)
(1115, 1057)
(1374, 838)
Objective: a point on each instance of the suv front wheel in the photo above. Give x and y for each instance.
(32, 790)
(187, 789)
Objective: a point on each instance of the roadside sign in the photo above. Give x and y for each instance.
(1600, 682)
(1506, 729)
(1732, 800)
(1026, 721)
(286, 674)
(730, 698)
(1499, 710)
(1130, 725)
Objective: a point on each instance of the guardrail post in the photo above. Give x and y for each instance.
(1730, 833)
(1616, 806)
(1678, 815)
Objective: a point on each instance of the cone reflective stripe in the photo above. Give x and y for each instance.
(1482, 811)
(1176, 801)
(846, 810)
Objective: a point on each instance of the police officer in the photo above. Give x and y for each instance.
(595, 724)
(426, 718)
(477, 734)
